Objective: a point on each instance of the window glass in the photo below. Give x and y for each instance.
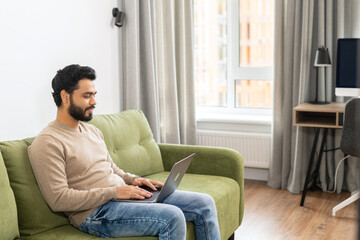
(237, 33)
(253, 93)
(256, 18)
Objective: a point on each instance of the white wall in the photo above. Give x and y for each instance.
(39, 37)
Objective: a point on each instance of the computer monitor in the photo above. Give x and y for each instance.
(348, 67)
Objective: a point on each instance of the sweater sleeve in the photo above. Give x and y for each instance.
(47, 159)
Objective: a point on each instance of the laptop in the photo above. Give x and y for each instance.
(172, 182)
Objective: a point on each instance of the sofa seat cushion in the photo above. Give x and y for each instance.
(68, 232)
(8, 220)
(224, 191)
(34, 215)
(130, 142)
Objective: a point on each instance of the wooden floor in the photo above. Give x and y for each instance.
(276, 214)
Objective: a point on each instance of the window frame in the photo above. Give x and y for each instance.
(236, 72)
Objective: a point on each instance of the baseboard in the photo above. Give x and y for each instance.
(256, 174)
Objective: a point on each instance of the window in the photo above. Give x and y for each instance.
(234, 55)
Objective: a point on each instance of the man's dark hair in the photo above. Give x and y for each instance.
(67, 79)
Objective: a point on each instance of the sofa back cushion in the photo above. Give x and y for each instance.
(8, 220)
(34, 214)
(130, 142)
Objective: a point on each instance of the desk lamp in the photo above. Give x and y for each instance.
(322, 59)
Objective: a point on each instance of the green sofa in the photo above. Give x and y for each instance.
(216, 171)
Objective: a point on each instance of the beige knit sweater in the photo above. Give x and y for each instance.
(74, 170)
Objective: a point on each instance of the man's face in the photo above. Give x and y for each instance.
(82, 101)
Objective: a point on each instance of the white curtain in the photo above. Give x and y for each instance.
(300, 28)
(158, 66)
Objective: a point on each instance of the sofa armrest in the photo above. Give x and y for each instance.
(208, 160)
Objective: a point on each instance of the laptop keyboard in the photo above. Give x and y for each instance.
(155, 193)
(149, 189)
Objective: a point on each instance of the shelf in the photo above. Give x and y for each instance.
(312, 115)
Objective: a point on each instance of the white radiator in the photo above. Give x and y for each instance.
(254, 147)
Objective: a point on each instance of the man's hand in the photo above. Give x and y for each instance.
(133, 191)
(138, 181)
(128, 192)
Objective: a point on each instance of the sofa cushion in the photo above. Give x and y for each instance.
(34, 214)
(8, 220)
(130, 142)
(225, 192)
(68, 232)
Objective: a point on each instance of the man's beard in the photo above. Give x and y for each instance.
(77, 113)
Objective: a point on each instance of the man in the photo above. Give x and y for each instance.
(76, 175)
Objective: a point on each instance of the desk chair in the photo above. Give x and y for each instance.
(350, 142)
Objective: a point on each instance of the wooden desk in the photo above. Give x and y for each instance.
(322, 116)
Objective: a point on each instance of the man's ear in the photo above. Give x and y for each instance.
(65, 96)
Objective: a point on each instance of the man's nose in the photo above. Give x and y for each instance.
(92, 101)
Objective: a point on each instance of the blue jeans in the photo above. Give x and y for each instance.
(167, 220)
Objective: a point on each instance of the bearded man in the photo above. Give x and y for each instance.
(77, 176)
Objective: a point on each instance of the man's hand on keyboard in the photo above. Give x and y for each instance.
(139, 181)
